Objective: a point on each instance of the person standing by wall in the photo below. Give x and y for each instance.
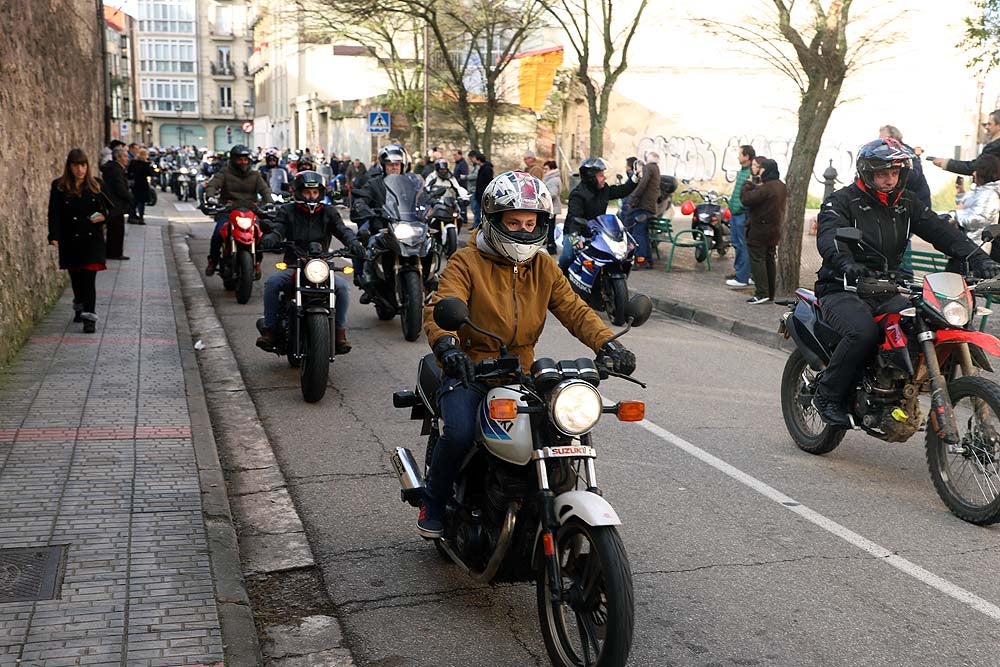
(483, 179)
(642, 207)
(532, 166)
(116, 188)
(470, 181)
(765, 197)
(139, 173)
(737, 223)
(77, 209)
(553, 182)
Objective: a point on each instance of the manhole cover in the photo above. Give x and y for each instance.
(31, 574)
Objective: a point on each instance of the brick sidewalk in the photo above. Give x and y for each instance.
(96, 455)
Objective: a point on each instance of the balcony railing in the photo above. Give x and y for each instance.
(222, 69)
(220, 32)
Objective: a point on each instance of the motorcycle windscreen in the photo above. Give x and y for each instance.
(402, 193)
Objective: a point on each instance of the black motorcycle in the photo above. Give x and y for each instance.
(527, 506)
(711, 218)
(405, 261)
(444, 218)
(306, 312)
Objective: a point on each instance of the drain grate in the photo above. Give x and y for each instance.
(31, 574)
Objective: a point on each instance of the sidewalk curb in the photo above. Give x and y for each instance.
(239, 634)
(727, 325)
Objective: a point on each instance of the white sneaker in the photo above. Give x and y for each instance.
(752, 282)
(732, 283)
(754, 300)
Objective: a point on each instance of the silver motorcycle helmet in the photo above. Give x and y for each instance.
(515, 191)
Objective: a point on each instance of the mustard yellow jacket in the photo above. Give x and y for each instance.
(511, 301)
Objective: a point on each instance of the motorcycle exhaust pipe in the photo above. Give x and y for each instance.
(411, 482)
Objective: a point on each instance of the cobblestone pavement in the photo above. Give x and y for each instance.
(96, 454)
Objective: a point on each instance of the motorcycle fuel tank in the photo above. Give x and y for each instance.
(509, 440)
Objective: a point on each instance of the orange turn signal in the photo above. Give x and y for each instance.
(348, 270)
(589, 265)
(503, 409)
(281, 266)
(631, 411)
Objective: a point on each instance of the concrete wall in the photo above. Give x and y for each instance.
(51, 100)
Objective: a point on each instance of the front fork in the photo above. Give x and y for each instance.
(942, 415)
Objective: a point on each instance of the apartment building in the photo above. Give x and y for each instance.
(195, 84)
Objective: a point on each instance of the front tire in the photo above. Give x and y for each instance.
(450, 242)
(968, 481)
(807, 428)
(412, 297)
(315, 370)
(595, 627)
(615, 294)
(244, 281)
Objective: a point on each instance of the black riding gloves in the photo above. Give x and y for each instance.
(356, 248)
(455, 363)
(614, 355)
(983, 267)
(270, 241)
(851, 269)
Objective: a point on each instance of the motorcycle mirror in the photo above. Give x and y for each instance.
(450, 313)
(638, 309)
(687, 208)
(849, 235)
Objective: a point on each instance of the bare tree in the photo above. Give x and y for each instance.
(817, 58)
(578, 19)
(982, 36)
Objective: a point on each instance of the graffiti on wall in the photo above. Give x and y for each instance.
(696, 159)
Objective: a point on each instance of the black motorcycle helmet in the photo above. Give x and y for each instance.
(235, 154)
(441, 169)
(885, 153)
(305, 180)
(393, 153)
(589, 169)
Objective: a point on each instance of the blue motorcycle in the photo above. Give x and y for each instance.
(601, 265)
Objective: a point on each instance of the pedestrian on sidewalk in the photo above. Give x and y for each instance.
(642, 208)
(77, 209)
(483, 177)
(139, 172)
(115, 186)
(553, 183)
(981, 208)
(765, 197)
(737, 223)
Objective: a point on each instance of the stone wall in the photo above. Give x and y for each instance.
(51, 100)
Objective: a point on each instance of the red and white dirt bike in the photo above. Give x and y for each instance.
(928, 347)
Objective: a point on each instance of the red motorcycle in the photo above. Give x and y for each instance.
(241, 235)
(928, 346)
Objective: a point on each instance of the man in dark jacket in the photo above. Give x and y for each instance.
(483, 178)
(879, 205)
(116, 188)
(588, 200)
(966, 167)
(642, 208)
(236, 185)
(765, 198)
(304, 221)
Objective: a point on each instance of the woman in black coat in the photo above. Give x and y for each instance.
(139, 172)
(77, 209)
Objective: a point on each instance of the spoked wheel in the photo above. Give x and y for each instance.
(967, 476)
(592, 626)
(807, 428)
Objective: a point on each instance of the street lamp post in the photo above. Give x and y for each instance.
(179, 108)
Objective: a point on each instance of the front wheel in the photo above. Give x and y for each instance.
(807, 428)
(967, 476)
(450, 242)
(412, 298)
(315, 369)
(592, 626)
(615, 294)
(244, 281)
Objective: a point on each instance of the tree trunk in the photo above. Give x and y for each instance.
(814, 114)
(597, 123)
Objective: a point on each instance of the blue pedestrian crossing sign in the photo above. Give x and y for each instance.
(378, 122)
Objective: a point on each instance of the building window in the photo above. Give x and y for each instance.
(223, 20)
(225, 98)
(175, 56)
(222, 57)
(164, 94)
(167, 16)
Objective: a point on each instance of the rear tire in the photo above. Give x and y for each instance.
(805, 426)
(315, 370)
(412, 293)
(244, 281)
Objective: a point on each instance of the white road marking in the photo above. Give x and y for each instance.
(863, 543)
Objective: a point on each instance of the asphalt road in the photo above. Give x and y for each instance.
(745, 550)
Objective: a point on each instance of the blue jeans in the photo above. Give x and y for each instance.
(458, 407)
(278, 282)
(566, 256)
(476, 212)
(738, 238)
(637, 223)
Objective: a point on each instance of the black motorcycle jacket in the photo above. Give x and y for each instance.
(885, 229)
(297, 225)
(367, 203)
(585, 204)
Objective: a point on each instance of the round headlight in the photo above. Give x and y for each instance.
(575, 407)
(956, 314)
(184, 170)
(317, 271)
(404, 232)
(244, 222)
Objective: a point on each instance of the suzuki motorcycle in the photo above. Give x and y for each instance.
(601, 264)
(928, 347)
(444, 218)
(306, 313)
(405, 261)
(709, 217)
(241, 235)
(527, 506)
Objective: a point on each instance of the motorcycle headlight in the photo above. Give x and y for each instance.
(244, 222)
(956, 314)
(405, 232)
(575, 407)
(317, 271)
(184, 170)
